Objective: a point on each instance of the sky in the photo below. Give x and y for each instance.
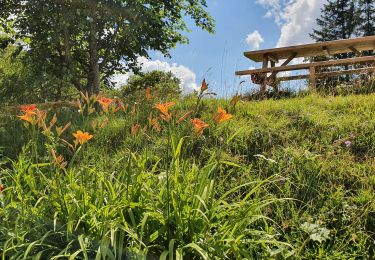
(241, 25)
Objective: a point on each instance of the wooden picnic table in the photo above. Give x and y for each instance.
(270, 58)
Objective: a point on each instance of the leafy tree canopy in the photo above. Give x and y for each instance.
(87, 41)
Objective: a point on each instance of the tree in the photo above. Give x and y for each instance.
(21, 82)
(163, 85)
(339, 20)
(87, 41)
(367, 17)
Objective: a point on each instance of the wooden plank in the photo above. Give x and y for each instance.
(356, 52)
(286, 62)
(326, 51)
(316, 49)
(357, 60)
(272, 58)
(327, 74)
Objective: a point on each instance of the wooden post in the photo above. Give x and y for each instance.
(263, 85)
(272, 78)
(312, 86)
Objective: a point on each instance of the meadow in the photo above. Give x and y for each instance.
(191, 178)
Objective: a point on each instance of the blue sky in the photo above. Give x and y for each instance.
(241, 25)
(216, 57)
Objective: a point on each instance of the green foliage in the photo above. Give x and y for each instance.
(163, 85)
(86, 42)
(21, 83)
(367, 17)
(339, 20)
(172, 194)
(344, 19)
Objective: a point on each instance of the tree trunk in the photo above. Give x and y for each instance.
(93, 77)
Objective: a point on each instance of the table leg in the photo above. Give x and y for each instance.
(263, 85)
(312, 86)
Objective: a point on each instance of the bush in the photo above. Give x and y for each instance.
(164, 85)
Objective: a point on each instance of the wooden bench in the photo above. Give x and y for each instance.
(267, 75)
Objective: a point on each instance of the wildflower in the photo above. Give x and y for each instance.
(28, 109)
(60, 130)
(222, 116)
(204, 86)
(120, 105)
(28, 118)
(235, 99)
(105, 103)
(348, 144)
(58, 161)
(81, 137)
(199, 125)
(2, 187)
(181, 119)
(134, 130)
(164, 109)
(148, 93)
(154, 123)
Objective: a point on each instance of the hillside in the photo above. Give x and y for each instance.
(282, 178)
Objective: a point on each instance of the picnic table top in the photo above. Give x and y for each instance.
(315, 49)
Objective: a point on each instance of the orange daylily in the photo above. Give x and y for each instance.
(105, 103)
(81, 137)
(28, 109)
(28, 118)
(222, 116)
(2, 187)
(199, 125)
(164, 109)
(29, 113)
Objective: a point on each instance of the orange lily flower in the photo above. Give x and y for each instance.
(164, 109)
(222, 116)
(105, 103)
(2, 187)
(28, 109)
(81, 137)
(28, 118)
(199, 126)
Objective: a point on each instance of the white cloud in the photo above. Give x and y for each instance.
(254, 39)
(186, 75)
(296, 18)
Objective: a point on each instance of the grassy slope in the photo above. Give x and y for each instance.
(330, 183)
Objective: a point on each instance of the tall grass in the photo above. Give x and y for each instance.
(286, 178)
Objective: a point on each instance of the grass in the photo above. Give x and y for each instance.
(289, 178)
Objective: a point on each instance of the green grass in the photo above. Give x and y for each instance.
(291, 178)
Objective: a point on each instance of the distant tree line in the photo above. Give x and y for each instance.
(343, 19)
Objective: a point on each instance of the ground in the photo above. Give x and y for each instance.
(281, 178)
